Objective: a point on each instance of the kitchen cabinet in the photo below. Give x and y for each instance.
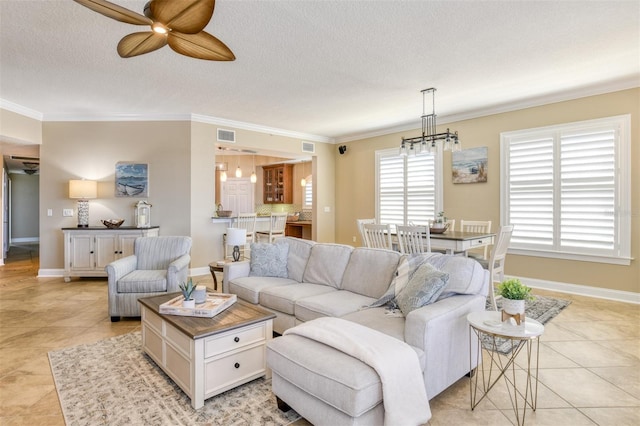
(87, 251)
(278, 180)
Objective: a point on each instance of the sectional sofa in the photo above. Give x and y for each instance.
(300, 280)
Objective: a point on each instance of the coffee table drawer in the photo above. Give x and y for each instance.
(234, 339)
(234, 369)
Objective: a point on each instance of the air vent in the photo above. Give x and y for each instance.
(226, 135)
(308, 147)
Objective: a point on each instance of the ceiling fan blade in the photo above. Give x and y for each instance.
(201, 46)
(184, 16)
(116, 12)
(139, 43)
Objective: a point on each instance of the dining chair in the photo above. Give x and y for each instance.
(479, 226)
(378, 236)
(413, 239)
(277, 226)
(497, 260)
(361, 222)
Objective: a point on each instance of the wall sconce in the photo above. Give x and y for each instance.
(83, 191)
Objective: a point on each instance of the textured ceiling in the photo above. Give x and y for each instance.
(334, 69)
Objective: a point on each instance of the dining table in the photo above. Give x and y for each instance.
(452, 241)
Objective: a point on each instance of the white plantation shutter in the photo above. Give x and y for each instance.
(407, 188)
(566, 190)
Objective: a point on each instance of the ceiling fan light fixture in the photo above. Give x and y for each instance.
(159, 28)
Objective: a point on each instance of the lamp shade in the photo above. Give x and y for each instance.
(83, 189)
(236, 236)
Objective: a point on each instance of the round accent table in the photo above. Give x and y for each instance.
(487, 326)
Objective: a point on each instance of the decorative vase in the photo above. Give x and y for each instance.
(513, 309)
(191, 303)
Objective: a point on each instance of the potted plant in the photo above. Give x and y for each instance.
(514, 294)
(187, 290)
(440, 221)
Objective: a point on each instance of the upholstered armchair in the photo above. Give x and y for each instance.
(158, 266)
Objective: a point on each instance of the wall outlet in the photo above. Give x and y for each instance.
(353, 238)
(327, 209)
(49, 212)
(67, 212)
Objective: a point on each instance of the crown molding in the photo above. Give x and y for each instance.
(259, 128)
(630, 82)
(116, 117)
(19, 109)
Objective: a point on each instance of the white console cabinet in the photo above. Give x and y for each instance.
(87, 251)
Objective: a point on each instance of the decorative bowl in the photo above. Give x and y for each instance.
(112, 223)
(439, 230)
(224, 213)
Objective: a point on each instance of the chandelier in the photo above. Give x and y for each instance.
(426, 143)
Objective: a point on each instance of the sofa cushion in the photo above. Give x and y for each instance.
(249, 288)
(384, 321)
(283, 298)
(406, 268)
(327, 264)
(370, 271)
(141, 281)
(331, 376)
(333, 304)
(299, 252)
(466, 276)
(423, 288)
(269, 260)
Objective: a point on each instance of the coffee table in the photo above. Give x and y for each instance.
(207, 356)
(489, 323)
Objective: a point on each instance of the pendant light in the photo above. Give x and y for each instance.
(254, 178)
(426, 143)
(223, 176)
(238, 169)
(303, 181)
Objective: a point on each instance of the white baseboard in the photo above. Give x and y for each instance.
(193, 272)
(203, 270)
(582, 290)
(50, 273)
(25, 240)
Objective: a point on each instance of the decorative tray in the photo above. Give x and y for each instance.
(215, 303)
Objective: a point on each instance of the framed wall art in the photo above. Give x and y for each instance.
(470, 165)
(132, 179)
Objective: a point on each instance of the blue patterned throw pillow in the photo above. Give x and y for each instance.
(423, 288)
(269, 260)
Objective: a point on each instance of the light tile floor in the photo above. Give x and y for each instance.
(589, 355)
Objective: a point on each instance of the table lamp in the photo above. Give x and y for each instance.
(236, 237)
(83, 191)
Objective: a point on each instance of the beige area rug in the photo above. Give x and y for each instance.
(112, 382)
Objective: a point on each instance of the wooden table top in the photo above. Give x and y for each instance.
(240, 314)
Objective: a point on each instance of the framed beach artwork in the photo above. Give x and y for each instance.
(470, 165)
(132, 179)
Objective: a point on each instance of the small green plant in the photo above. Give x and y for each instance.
(187, 288)
(513, 289)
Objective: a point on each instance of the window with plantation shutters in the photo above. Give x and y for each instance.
(408, 188)
(566, 190)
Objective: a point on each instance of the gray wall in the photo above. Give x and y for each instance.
(24, 207)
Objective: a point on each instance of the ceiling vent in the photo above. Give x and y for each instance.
(226, 136)
(308, 147)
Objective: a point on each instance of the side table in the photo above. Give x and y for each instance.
(488, 323)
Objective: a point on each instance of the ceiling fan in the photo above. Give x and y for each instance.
(178, 23)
